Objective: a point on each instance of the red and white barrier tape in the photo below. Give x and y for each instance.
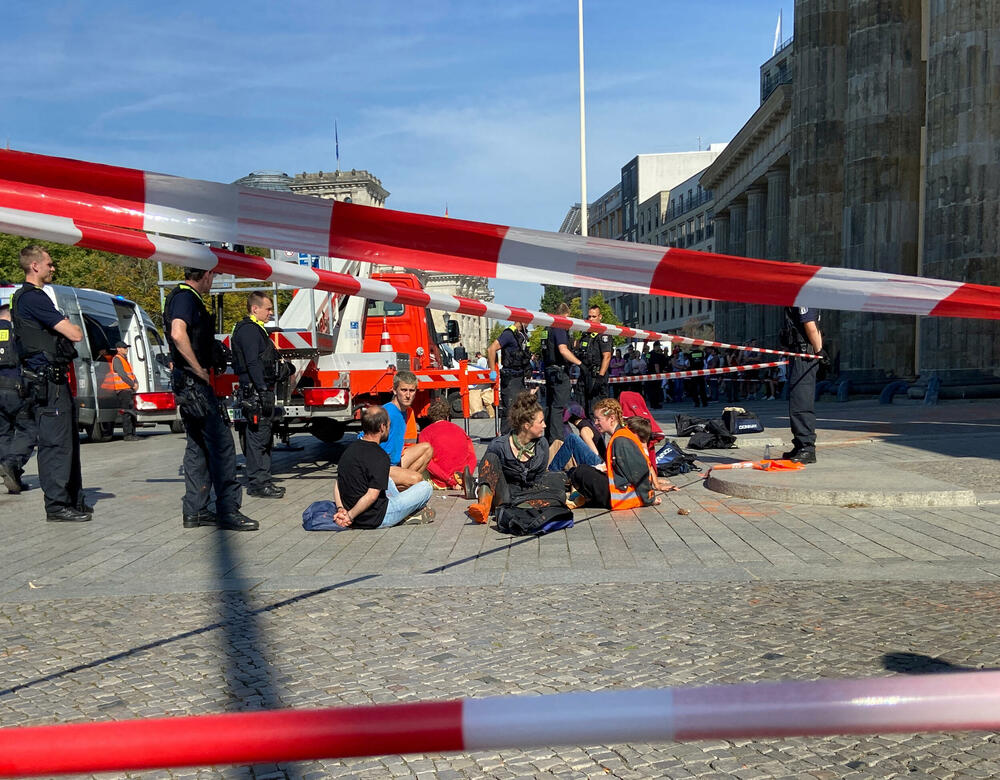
(698, 372)
(945, 702)
(156, 203)
(107, 238)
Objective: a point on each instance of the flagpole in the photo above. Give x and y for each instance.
(583, 136)
(336, 142)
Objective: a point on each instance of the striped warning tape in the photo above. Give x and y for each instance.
(944, 702)
(78, 232)
(681, 374)
(143, 201)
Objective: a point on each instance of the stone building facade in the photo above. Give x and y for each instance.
(877, 151)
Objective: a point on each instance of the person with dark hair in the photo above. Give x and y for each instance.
(643, 430)
(365, 494)
(256, 361)
(515, 362)
(515, 464)
(44, 337)
(594, 350)
(623, 481)
(210, 456)
(802, 334)
(121, 381)
(558, 359)
(17, 417)
(454, 455)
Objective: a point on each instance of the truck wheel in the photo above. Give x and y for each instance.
(177, 426)
(100, 431)
(328, 431)
(456, 403)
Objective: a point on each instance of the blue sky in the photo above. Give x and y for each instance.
(472, 103)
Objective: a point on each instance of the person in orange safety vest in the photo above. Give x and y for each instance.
(623, 480)
(121, 381)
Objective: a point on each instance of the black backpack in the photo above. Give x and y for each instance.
(671, 460)
(539, 510)
(715, 437)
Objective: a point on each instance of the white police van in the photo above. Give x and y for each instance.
(105, 320)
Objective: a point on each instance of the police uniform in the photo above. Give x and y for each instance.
(17, 420)
(801, 381)
(515, 363)
(210, 456)
(46, 356)
(697, 388)
(558, 387)
(590, 350)
(255, 359)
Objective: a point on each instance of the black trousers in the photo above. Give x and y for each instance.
(209, 460)
(593, 486)
(802, 402)
(126, 408)
(58, 448)
(17, 430)
(511, 386)
(258, 453)
(557, 397)
(595, 387)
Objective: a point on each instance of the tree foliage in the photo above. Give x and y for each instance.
(552, 296)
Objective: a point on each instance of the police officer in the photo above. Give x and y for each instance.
(210, 456)
(121, 381)
(515, 363)
(17, 420)
(558, 358)
(697, 387)
(255, 359)
(45, 338)
(801, 334)
(594, 351)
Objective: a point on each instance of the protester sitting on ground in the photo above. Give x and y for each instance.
(453, 451)
(625, 483)
(584, 428)
(364, 492)
(408, 458)
(643, 430)
(515, 464)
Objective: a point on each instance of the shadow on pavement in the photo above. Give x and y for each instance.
(915, 663)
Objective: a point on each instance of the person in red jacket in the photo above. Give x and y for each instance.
(453, 450)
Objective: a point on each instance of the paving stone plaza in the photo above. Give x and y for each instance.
(132, 616)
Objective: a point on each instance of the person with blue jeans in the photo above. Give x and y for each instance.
(365, 495)
(574, 447)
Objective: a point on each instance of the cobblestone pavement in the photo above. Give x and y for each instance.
(132, 616)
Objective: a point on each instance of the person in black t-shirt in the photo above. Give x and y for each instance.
(558, 358)
(363, 492)
(45, 339)
(210, 456)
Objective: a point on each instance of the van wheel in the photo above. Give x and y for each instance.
(100, 431)
(177, 426)
(328, 431)
(456, 403)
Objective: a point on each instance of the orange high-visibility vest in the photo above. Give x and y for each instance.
(628, 498)
(411, 433)
(115, 381)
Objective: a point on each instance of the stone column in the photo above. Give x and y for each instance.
(961, 224)
(721, 228)
(738, 229)
(777, 214)
(756, 245)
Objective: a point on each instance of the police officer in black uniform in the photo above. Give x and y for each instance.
(255, 359)
(801, 334)
(45, 338)
(17, 419)
(515, 364)
(594, 351)
(210, 456)
(697, 387)
(558, 358)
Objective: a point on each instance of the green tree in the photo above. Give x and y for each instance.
(552, 296)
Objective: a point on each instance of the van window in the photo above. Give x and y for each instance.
(385, 309)
(102, 332)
